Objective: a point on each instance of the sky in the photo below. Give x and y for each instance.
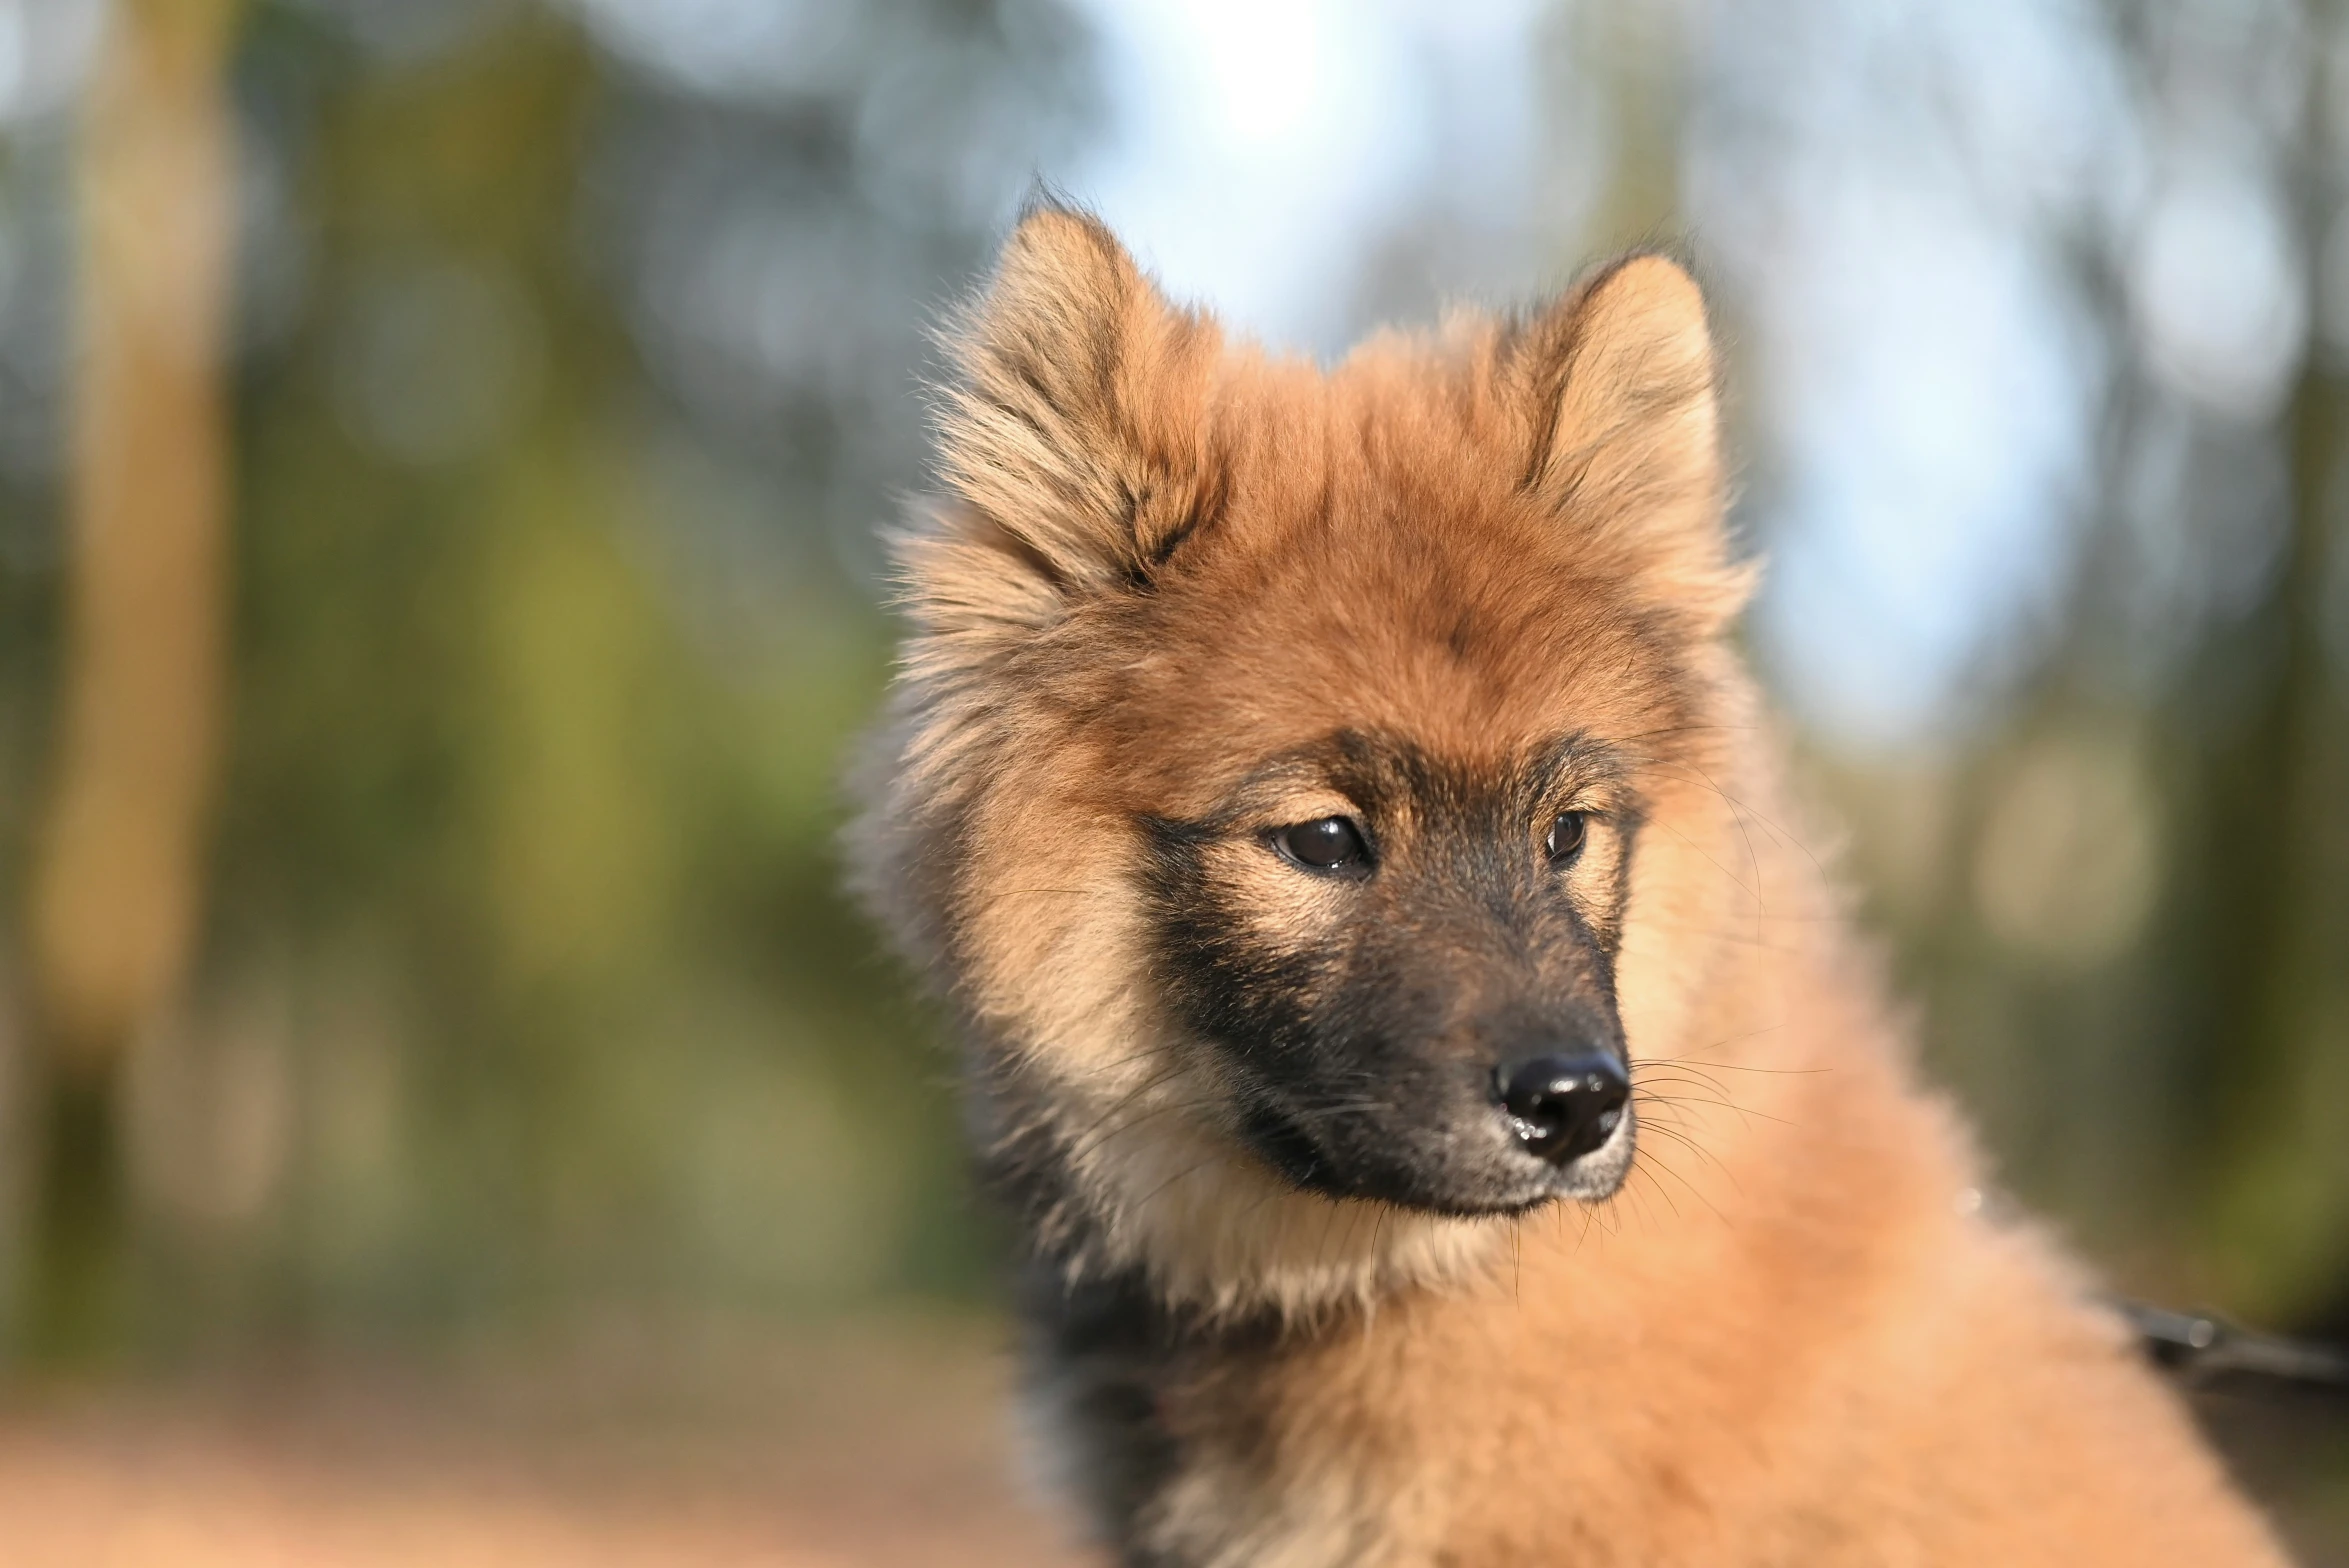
(1885, 196)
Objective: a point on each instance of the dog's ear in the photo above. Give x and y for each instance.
(1073, 437)
(1615, 384)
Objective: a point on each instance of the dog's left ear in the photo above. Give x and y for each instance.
(1615, 383)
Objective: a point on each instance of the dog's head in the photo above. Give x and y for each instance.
(1297, 774)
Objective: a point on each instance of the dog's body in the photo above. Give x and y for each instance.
(1314, 792)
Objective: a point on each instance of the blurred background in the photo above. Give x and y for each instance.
(446, 1106)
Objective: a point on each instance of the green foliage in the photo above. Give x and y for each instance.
(528, 980)
(569, 400)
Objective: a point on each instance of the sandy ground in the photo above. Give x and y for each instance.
(887, 1446)
(888, 1451)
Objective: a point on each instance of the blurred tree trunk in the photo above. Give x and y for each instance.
(2275, 1208)
(115, 887)
(1645, 51)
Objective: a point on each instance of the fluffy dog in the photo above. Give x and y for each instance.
(1447, 1120)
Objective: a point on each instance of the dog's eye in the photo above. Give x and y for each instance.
(1329, 844)
(1566, 836)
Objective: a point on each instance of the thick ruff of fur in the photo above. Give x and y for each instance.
(1169, 575)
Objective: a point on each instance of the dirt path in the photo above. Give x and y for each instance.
(882, 1451)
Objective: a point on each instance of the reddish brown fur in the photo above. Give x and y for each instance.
(1792, 1338)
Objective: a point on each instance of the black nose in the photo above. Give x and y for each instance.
(1563, 1107)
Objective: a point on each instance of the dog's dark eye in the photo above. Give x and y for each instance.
(1566, 836)
(1325, 845)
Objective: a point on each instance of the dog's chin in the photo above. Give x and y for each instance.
(1494, 1176)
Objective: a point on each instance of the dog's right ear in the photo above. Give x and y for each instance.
(1615, 387)
(1074, 435)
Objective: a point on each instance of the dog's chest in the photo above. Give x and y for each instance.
(1168, 1436)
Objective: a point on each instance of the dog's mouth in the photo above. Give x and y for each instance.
(1482, 1165)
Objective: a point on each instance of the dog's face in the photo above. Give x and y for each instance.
(1403, 961)
(1298, 772)
(1384, 809)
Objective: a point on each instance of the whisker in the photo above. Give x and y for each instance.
(1699, 1150)
(1659, 1191)
(1660, 1164)
(1776, 830)
(1185, 1173)
(1729, 875)
(1730, 1106)
(1123, 1101)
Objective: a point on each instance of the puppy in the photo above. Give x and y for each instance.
(1446, 1118)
